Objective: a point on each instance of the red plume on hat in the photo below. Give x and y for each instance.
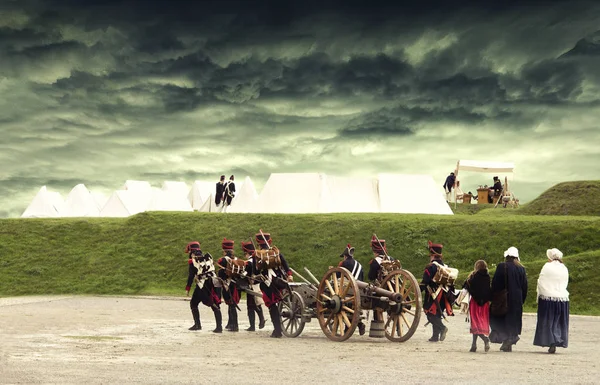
(194, 245)
(435, 248)
(227, 244)
(348, 252)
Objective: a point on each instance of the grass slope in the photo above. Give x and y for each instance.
(568, 198)
(143, 254)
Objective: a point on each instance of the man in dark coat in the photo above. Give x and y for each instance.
(449, 184)
(356, 270)
(220, 189)
(274, 280)
(253, 303)
(436, 298)
(231, 294)
(509, 274)
(201, 274)
(228, 193)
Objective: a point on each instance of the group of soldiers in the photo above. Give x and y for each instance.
(263, 274)
(264, 269)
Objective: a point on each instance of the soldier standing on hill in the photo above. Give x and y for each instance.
(202, 272)
(220, 190)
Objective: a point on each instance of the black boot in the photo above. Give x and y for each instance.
(261, 317)
(276, 320)
(252, 320)
(229, 318)
(196, 315)
(474, 344)
(233, 319)
(486, 342)
(218, 320)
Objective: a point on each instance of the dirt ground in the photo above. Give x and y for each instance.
(128, 340)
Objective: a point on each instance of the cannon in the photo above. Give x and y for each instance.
(337, 300)
(395, 301)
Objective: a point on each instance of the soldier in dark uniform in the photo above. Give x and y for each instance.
(273, 282)
(356, 270)
(253, 303)
(436, 299)
(230, 291)
(220, 190)
(201, 273)
(228, 192)
(379, 255)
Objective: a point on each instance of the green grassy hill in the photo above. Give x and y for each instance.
(568, 198)
(143, 254)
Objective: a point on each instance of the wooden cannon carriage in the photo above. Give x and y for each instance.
(337, 300)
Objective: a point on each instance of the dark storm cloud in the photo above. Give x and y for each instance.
(104, 90)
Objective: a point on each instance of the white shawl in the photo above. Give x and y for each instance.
(553, 281)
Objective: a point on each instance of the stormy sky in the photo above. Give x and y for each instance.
(100, 91)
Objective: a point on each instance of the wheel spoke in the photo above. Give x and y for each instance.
(409, 312)
(341, 324)
(346, 320)
(405, 321)
(326, 296)
(336, 286)
(349, 299)
(329, 287)
(335, 324)
(396, 284)
(346, 308)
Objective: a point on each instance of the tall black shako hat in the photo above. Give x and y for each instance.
(348, 252)
(248, 248)
(227, 244)
(378, 245)
(194, 245)
(435, 248)
(263, 239)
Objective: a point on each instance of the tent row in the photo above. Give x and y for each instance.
(292, 193)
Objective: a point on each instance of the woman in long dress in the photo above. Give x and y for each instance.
(552, 327)
(509, 274)
(478, 286)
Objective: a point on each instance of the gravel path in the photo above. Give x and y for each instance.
(144, 340)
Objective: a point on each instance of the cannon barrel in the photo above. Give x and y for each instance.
(396, 297)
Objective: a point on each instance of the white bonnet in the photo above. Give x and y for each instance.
(554, 254)
(512, 252)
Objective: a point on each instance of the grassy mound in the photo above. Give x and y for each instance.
(568, 198)
(143, 254)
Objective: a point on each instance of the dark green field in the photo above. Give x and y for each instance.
(143, 254)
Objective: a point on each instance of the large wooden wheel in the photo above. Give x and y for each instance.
(291, 308)
(402, 319)
(338, 304)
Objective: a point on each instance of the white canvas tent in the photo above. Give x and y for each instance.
(293, 193)
(80, 203)
(172, 200)
(352, 195)
(99, 198)
(200, 193)
(480, 166)
(411, 194)
(245, 198)
(209, 205)
(138, 186)
(45, 204)
(176, 188)
(123, 203)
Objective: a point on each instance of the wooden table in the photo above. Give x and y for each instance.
(482, 195)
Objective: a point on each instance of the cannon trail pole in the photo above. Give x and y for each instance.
(304, 279)
(264, 238)
(312, 276)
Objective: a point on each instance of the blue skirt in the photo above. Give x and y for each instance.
(552, 323)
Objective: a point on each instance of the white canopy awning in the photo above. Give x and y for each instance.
(485, 166)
